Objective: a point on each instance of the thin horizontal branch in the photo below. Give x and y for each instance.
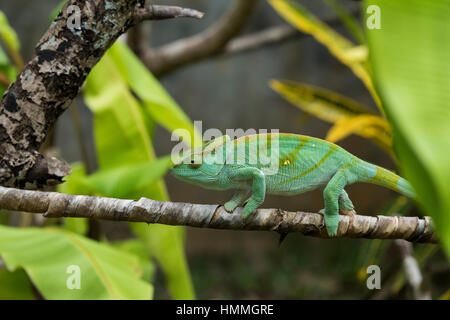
(158, 12)
(261, 39)
(207, 43)
(274, 35)
(53, 205)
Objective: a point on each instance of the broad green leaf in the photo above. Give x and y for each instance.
(137, 248)
(166, 244)
(162, 108)
(15, 285)
(123, 131)
(105, 272)
(339, 46)
(371, 127)
(120, 131)
(411, 65)
(350, 22)
(120, 182)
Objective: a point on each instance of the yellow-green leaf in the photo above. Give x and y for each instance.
(372, 127)
(339, 46)
(324, 104)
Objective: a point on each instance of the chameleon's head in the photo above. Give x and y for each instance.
(199, 166)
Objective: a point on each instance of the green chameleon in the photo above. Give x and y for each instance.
(282, 164)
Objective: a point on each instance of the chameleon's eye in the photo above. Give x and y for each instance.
(194, 165)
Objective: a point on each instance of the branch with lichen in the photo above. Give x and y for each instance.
(57, 205)
(52, 79)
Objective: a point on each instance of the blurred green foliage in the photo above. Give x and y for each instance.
(127, 102)
(411, 66)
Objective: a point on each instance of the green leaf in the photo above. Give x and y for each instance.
(410, 58)
(121, 182)
(137, 248)
(166, 244)
(349, 116)
(123, 132)
(156, 100)
(371, 127)
(342, 48)
(57, 10)
(105, 273)
(324, 104)
(15, 285)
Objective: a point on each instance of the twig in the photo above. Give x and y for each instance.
(207, 43)
(54, 205)
(156, 12)
(273, 35)
(412, 271)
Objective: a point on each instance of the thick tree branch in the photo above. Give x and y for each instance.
(53, 204)
(45, 88)
(207, 43)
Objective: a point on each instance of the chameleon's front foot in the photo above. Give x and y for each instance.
(230, 206)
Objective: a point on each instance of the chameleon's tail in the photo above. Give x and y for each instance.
(380, 176)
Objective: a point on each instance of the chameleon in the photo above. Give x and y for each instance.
(282, 164)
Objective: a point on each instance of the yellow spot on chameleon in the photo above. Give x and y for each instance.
(286, 163)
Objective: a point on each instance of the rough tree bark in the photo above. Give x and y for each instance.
(52, 79)
(54, 205)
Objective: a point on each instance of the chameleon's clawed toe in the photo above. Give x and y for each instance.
(230, 206)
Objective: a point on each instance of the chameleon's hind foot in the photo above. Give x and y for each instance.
(247, 211)
(250, 207)
(332, 224)
(238, 198)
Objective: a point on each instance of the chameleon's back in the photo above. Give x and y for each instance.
(292, 164)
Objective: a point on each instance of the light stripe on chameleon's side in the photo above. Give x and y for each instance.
(332, 150)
